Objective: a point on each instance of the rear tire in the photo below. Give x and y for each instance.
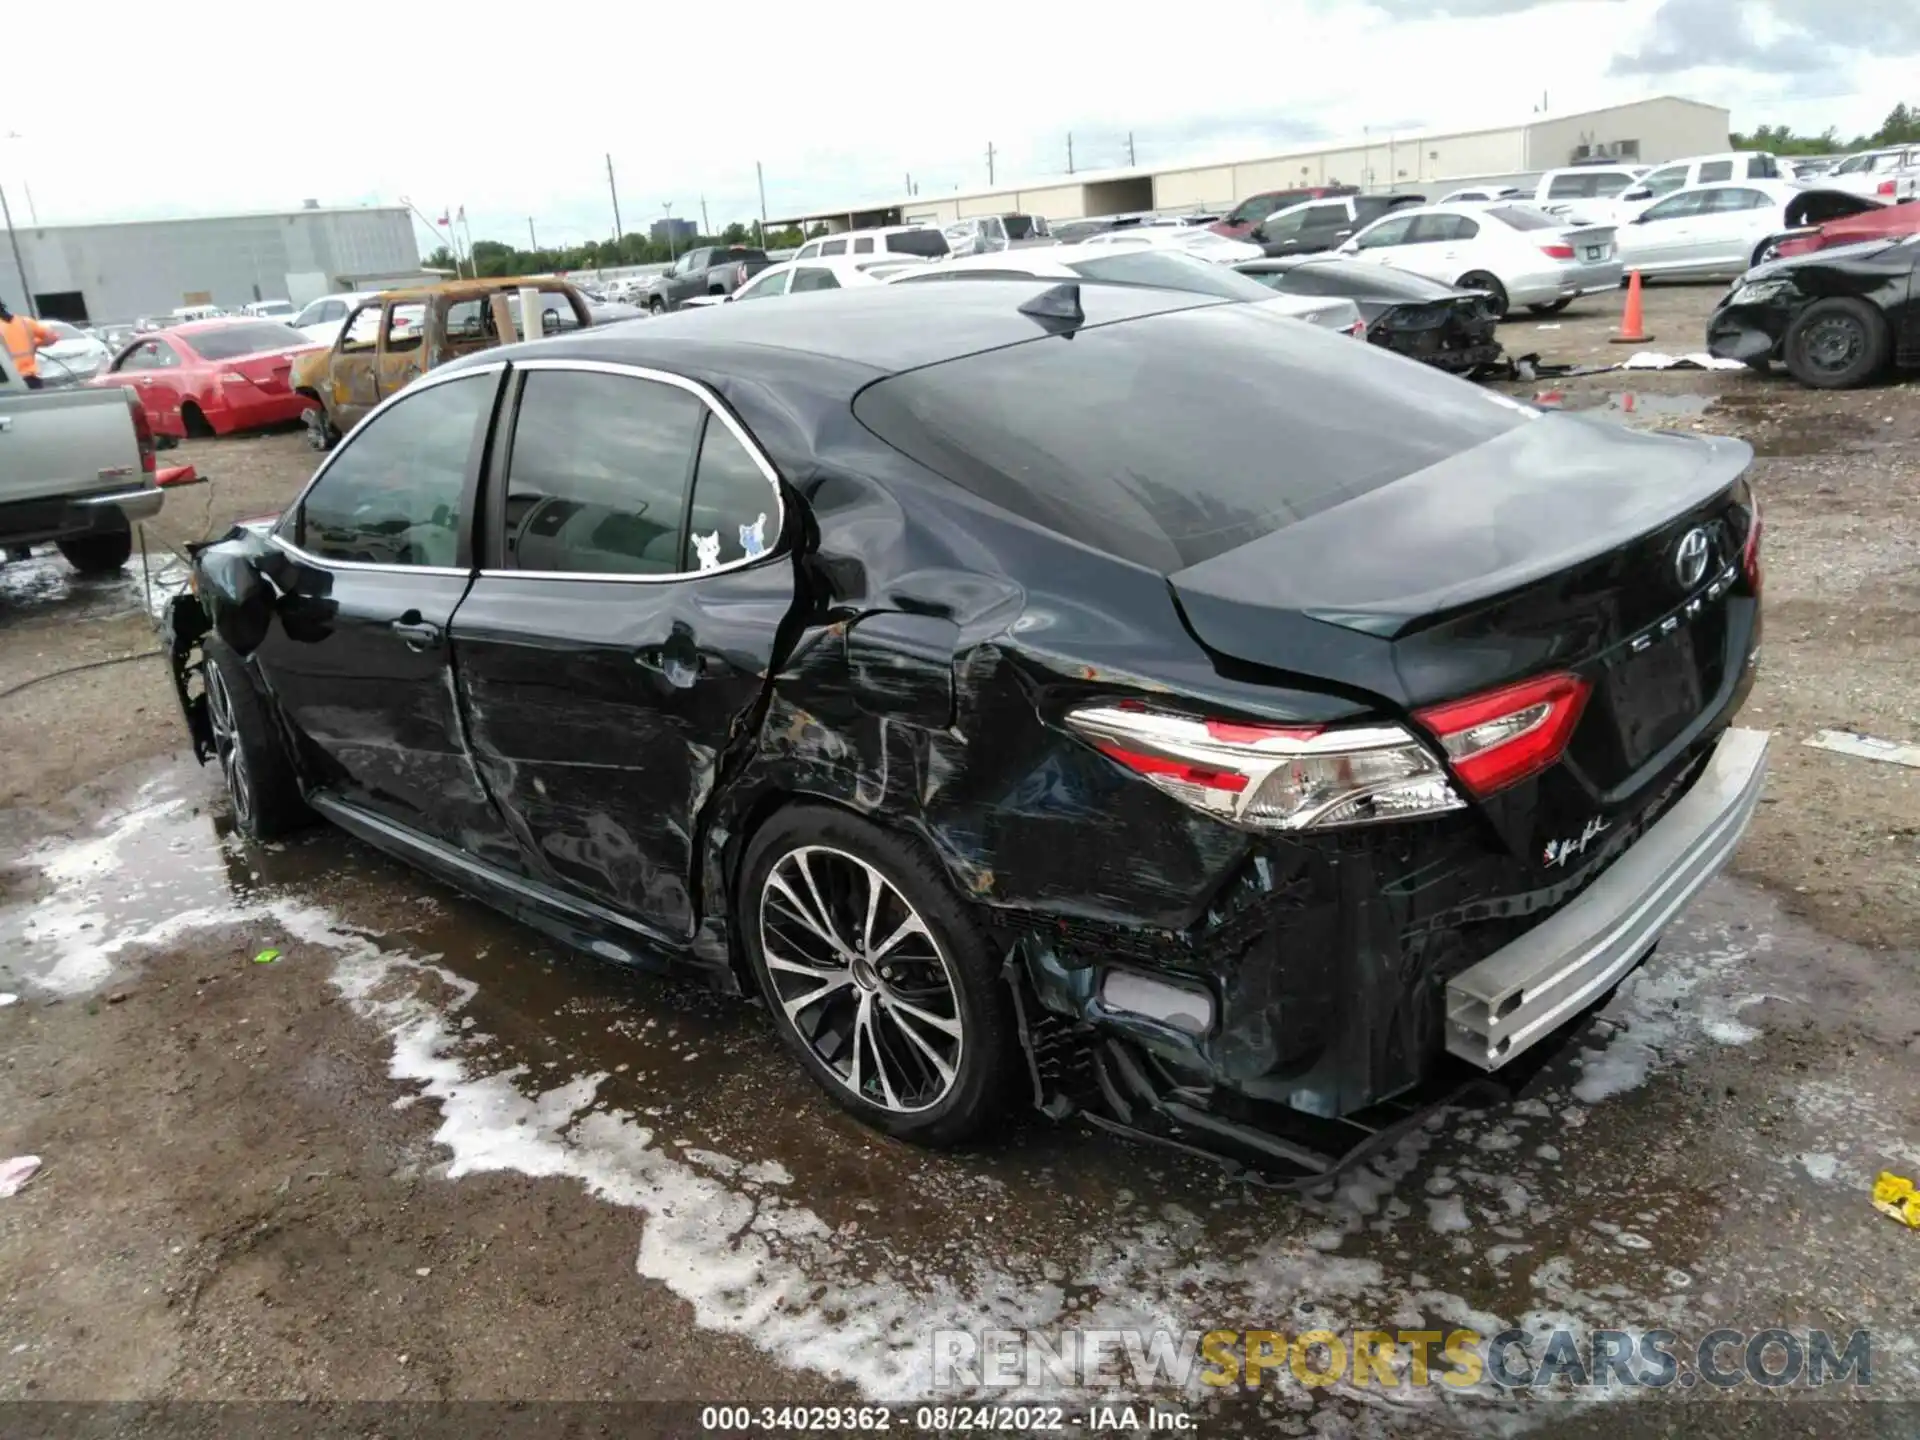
(901, 1016)
(1554, 308)
(260, 781)
(1837, 344)
(102, 552)
(195, 422)
(656, 306)
(1496, 292)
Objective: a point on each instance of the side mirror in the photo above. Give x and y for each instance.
(240, 600)
(1352, 247)
(1641, 194)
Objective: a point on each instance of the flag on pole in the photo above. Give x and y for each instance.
(462, 217)
(442, 221)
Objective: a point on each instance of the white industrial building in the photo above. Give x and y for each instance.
(1647, 132)
(117, 271)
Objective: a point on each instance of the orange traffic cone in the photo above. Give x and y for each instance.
(1632, 325)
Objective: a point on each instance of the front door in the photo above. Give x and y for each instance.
(352, 378)
(616, 646)
(357, 657)
(403, 348)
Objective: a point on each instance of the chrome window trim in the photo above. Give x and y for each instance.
(426, 382)
(719, 412)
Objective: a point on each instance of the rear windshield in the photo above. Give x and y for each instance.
(930, 243)
(1525, 217)
(1166, 271)
(1023, 227)
(230, 342)
(1169, 440)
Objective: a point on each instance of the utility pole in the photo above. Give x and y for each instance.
(1130, 147)
(1069, 152)
(19, 264)
(989, 162)
(533, 241)
(760, 177)
(615, 193)
(667, 210)
(705, 228)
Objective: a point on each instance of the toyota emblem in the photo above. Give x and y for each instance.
(1690, 558)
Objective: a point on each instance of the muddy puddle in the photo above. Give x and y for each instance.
(780, 1220)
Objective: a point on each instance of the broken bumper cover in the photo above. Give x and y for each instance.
(1520, 994)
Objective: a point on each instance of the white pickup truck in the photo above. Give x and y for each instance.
(76, 469)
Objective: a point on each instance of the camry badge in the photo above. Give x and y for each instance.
(1561, 851)
(1690, 558)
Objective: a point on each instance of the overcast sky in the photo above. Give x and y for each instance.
(258, 107)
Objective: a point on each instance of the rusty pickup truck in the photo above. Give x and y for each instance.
(394, 338)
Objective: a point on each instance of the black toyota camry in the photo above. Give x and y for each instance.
(1117, 700)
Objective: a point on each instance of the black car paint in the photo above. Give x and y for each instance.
(909, 652)
(1880, 272)
(1406, 313)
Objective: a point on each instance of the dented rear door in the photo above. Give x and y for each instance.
(615, 647)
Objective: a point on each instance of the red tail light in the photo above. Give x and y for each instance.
(142, 431)
(1886, 187)
(1557, 252)
(1271, 777)
(1750, 552)
(740, 275)
(1500, 738)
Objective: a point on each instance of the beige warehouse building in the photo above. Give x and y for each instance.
(1646, 132)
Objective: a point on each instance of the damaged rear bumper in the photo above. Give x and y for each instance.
(1524, 991)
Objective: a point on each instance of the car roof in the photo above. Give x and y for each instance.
(870, 332)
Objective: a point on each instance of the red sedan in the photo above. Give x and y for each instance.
(1887, 224)
(213, 377)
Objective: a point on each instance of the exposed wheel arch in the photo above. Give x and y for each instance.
(194, 421)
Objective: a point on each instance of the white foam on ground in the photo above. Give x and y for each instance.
(1668, 1007)
(752, 1258)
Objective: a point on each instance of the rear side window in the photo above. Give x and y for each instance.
(1172, 439)
(1570, 187)
(597, 477)
(834, 247)
(1714, 171)
(736, 511)
(930, 244)
(814, 277)
(863, 246)
(393, 493)
(1761, 167)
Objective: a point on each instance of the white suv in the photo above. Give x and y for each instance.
(917, 240)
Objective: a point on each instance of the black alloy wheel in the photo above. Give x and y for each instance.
(877, 976)
(260, 782)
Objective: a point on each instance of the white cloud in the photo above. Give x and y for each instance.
(254, 106)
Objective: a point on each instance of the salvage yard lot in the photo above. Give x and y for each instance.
(245, 1193)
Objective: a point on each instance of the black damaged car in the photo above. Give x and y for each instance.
(1837, 318)
(1408, 314)
(1106, 698)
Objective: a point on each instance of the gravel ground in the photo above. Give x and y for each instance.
(422, 1155)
